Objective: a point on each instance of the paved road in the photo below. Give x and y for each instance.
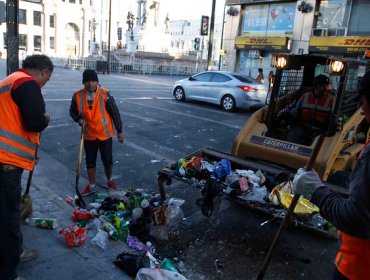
(159, 130)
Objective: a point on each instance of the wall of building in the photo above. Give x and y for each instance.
(73, 30)
(327, 27)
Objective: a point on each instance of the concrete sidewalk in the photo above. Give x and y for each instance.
(55, 260)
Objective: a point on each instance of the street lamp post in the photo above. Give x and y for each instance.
(109, 27)
(12, 41)
(222, 37)
(210, 41)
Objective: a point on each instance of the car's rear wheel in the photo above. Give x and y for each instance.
(179, 94)
(228, 103)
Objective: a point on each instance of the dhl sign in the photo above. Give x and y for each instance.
(261, 43)
(339, 44)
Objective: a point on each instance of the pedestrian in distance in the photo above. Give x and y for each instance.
(260, 77)
(22, 118)
(94, 107)
(271, 79)
(351, 215)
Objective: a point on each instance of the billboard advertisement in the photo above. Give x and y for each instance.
(273, 19)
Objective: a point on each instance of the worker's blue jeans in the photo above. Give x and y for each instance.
(10, 231)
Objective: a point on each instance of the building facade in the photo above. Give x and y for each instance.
(186, 39)
(66, 28)
(255, 30)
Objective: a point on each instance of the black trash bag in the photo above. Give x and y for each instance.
(130, 263)
(211, 197)
(140, 228)
(272, 181)
(110, 204)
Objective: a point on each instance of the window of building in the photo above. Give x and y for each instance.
(80, 2)
(333, 18)
(72, 1)
(37, 43)
(37, 18)
(343, 18)
(22, 41)
(52, 43)
(52, 21)
(22, 16)
(359, 20)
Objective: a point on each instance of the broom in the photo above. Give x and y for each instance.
(26, 200)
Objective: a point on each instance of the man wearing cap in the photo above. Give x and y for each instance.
(95, 107)
(313, 110)
(350, 215)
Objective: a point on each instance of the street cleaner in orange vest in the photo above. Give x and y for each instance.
(313, 111)
(22, 118)
(96, 108)
(350, 215)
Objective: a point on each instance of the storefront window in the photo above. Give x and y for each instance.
(359, 21)
(251, 60)
(344, 17)
(334, 16)
(269, 20)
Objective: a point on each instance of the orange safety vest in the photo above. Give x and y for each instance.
(99, 123)
(316, 110)
(17, 145)
(353, 258)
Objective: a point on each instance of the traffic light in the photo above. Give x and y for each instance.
(204, 25)
(196, 44)
(119, 33)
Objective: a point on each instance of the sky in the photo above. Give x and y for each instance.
(191, 9)
(185, 9)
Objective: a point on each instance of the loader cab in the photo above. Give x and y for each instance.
(264, 136)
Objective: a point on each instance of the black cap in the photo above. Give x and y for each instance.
(89, 75)
(364, 88)
(321, 80)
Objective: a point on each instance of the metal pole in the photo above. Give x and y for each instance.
(12, 42)
(222, 37)
(290, 211)
(109, 26)
(210, 41)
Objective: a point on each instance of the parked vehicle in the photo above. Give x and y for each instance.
(228, 89)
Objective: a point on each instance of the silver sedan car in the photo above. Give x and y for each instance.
(228, 89)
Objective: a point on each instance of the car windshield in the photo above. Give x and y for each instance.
(245, 79)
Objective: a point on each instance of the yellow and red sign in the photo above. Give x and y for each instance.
(339, 44)
(261, 43)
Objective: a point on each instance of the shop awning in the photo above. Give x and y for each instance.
(262, 43)
(339, 44)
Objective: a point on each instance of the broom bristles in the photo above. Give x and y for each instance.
(26, 206)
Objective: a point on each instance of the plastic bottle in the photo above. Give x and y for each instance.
(48, 223)
(134, 243)
(168, 265)
(112, 231)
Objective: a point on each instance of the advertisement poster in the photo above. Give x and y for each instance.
(274, 19)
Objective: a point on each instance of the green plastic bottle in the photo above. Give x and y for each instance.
(168, 265)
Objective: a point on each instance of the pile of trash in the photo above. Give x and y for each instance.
(272, 194)
(133, 216)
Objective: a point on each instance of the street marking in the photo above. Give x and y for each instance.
(123, 98)
(150, 152)
(144, 80)
(188, 115)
